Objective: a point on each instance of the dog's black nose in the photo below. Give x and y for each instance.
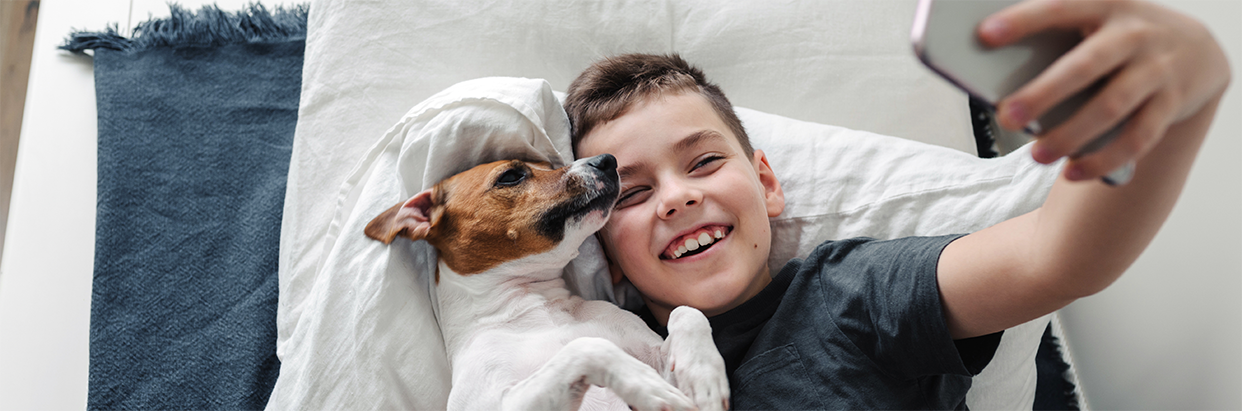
(603, 162)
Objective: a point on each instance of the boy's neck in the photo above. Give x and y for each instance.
(661, 312)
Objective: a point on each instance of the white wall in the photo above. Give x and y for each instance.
(1168, 334)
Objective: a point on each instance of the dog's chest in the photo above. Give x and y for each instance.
(530, 336)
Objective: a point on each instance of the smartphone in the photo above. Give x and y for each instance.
(945, 39)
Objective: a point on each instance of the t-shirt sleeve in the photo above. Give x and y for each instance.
(884, 297)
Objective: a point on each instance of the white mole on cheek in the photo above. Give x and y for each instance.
(512, 234)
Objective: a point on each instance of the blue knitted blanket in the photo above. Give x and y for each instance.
(196, 120)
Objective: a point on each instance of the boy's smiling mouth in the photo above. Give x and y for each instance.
(695, 242)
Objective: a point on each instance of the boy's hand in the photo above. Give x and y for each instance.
(1166, 76)
(1164, 68)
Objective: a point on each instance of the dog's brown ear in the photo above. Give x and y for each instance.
(410, 218)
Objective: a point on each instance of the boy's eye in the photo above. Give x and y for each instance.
(631, 197)
(511, 177)
(707, 160)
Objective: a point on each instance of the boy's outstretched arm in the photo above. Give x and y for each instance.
(1167, 77)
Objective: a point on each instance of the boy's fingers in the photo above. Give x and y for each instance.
(1138, 137)
(1082, 66)
(1033, 16)
(1120, 97)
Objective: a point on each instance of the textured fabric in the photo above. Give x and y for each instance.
(194, 146)
(860, 327)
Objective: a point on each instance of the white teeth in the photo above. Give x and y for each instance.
(692, 244)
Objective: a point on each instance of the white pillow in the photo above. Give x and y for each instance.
(841, 183)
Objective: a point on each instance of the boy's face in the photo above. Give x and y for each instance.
(685, 178)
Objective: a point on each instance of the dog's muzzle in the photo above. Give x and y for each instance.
(599, 184)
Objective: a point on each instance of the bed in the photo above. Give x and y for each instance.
(346, 106)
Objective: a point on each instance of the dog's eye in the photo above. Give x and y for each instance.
(511, 177)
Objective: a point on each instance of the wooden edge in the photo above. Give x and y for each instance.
(17, 33)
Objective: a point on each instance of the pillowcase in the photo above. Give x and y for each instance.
(841, 183)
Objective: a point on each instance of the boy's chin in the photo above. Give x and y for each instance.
(711, 288)
(720, 299)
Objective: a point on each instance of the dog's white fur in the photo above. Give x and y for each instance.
(518, 340)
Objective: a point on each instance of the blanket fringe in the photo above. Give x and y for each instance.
(209, 27)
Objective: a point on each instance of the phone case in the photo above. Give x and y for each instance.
(945, 40)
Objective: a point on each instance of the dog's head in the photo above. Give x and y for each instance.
(504, 211)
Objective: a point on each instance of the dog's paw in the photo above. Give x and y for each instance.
(635, 382)
(694, 365)
(659, 398)
(643, 389)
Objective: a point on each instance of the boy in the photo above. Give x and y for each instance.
(901, 323)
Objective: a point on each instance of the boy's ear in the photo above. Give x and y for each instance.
(773, 196)
(412, 219)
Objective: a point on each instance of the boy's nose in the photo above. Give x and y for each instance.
(679, 198)
(673, 210)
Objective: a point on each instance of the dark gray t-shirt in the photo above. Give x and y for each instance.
(856, 325)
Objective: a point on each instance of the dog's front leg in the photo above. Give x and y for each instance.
(693, 363)
(561, 383)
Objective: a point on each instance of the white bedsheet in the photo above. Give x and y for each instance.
(367, 63)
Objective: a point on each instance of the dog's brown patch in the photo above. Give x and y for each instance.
(477, 223)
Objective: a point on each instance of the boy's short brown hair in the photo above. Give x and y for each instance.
(607, 89)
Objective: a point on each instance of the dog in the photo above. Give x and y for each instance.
(516, 338)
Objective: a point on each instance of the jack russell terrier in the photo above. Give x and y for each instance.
(516, 338)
